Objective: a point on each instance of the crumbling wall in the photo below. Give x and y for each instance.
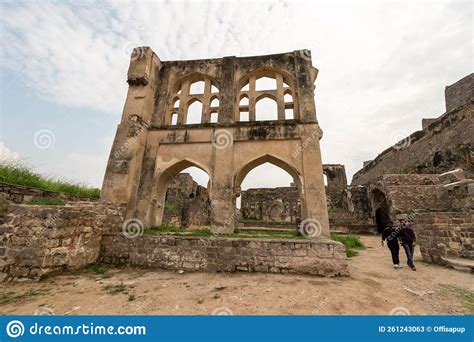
(39, 240)
(20, 194)
(426, 192)
(187, 203)
(336, 184)
(321, 257)
(459, 93)
(444, 144)
(444, 235)
(271, 205)
(355, 216)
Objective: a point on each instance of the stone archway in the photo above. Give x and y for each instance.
(151, 147)
(380, 209)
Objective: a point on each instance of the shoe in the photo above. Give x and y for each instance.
(413, 268)
(397, 266)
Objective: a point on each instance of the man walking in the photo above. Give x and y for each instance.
(391, 235)
(408, 239)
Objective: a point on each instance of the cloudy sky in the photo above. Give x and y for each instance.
(383, 67)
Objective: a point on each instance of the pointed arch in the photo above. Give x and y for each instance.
(242, 172)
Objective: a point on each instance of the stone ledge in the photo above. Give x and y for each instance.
(322, 257)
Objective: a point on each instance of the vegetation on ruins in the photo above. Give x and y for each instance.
(16, 173)
(351, 242)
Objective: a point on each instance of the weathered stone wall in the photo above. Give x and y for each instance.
(21, 194)
(39, 240)
(425, 192)
(336, 184)
(271, 205)
(321, 257)
(444, 144)
(459, 93)
(187, 203)
(443, 235)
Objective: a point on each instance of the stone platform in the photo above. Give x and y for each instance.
(321, 257)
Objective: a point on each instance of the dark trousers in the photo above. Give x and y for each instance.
(409, 249)
(394, 249)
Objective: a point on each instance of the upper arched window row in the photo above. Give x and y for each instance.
(193, 100)
(265, 95)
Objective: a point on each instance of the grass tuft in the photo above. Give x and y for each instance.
(15, 173)
(351, 242)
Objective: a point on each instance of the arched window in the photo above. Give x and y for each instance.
(190, 96)
(265, 83)
(194, 113)
(197, 88)
(266, 95)
(174, 118)
(266, 109)
(289, 106)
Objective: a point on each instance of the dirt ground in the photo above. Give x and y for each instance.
(374, 287)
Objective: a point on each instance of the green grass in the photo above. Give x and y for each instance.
(204, 231)
(115, 289)
(131, 298)
(23, 175)
(170, 206)
(46, 201)
(351, 242)
(466, 296)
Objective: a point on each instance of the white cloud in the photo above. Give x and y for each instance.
(383, 67)
(6, 155)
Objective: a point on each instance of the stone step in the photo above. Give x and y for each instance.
(258, 228)
(460, 264)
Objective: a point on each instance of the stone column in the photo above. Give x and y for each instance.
(314, 206)
(125, 160)
(223, 210)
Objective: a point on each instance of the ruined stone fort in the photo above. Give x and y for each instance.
(207, 114)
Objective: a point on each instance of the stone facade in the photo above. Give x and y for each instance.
(444, 144)
(156, 138)
(445, 235)
(39, 240)
(320, 257)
